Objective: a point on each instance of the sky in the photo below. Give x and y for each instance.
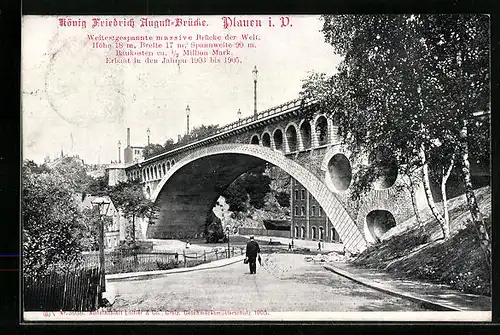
(72, 100)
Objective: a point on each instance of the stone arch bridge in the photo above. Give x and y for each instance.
(186, 182)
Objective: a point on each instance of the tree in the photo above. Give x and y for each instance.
(130, 199)
(408, 83)
(251, 186)
(98, 186)
(214, 232)
(74, 173)
(198, 133)
(152, 150)
(52, 224)
(283, 199)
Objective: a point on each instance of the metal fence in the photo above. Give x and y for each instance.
(135, 261)
(75, 290)
(264, 232)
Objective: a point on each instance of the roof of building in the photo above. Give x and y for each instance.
(86, 202)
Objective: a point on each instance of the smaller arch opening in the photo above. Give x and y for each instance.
(255, 140)
(379, 222)
(305, 134)
(278, 139)
(322, 130)
(168, 166)
(291, 138)
(340, 172)
(266, 140)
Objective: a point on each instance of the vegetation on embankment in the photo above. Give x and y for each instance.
(414, 253)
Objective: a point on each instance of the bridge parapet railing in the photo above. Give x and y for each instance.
(264, 114)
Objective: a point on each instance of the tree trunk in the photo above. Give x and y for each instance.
(444, 179)
(477, 218)
(136, 259)
(414, 201)
(427, 190)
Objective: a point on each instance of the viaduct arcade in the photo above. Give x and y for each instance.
(187, 181)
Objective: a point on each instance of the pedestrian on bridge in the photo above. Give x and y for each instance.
(252, 251)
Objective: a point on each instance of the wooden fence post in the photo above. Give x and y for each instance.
(204, 256)
(216, 255)
(184, 256)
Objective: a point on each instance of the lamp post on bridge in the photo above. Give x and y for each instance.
(254, 72)
(101, 205)
(119, 152)
(187, 121)
(148, 132)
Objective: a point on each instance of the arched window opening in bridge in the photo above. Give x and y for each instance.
(340, 172)
(302, 232)
(314, 233)
(173, 162)
(313, 210)
(305, 135)
(378, 222)
(156, 172)
(266, 140)
(303, 211)
(385, 168)
(255, 139)
(291, 138)
(322, 130)
(164, 168)
(278, 139)
(321, 233)
(168, 166)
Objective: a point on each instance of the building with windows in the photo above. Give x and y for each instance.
(113, 232)
(308, 220)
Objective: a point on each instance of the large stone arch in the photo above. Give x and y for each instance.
(189, 189)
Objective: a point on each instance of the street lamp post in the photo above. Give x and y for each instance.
(228, 227)
(254, 72)
(187, 114)
(102, 205)
(148, 132)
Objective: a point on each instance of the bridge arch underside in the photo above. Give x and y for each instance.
(190, 193)
(191, 188)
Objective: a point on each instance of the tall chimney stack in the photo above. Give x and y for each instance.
(128, 137)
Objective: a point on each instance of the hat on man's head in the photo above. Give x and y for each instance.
(251, 237)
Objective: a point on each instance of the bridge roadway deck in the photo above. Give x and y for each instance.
(284, 283)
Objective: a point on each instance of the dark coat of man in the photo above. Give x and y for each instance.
(252, 250)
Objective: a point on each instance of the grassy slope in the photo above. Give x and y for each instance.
(411, 253)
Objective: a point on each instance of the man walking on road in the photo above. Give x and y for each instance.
(252, 251)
